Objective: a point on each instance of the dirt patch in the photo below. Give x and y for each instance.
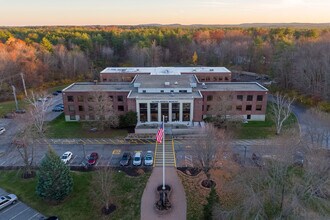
(134, 171)
(190, 171)
(110, 210)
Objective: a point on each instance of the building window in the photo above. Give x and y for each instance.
(80, 98)
(90, 108)
(186, 111)
(248, 117)
(70, 98)
(175, 111)
(111, 98)
(143, 112)
(208, 79)
(72, 117)
(260, 98)
(144, 91)
(71, 108)
(90, 99)
(164, 110)
(172, 90)
(154, 111)
(120, 108)
(240, 97)
(226, 78)
(208, 108)
(120, 98)
(220, 78)
(81, 108)
(248, 107)
(215, 78)
(238, 108)
(183, 91)
(104, 79)
(258, 107)
(162, 91)
(249, 98)
(209, 98)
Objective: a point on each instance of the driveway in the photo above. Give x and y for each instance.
(18, 211)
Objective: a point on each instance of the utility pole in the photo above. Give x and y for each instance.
(23, 81)
(14, 93)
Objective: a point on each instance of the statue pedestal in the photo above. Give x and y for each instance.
(163, 204)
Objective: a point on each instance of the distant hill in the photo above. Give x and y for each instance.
(245, 25)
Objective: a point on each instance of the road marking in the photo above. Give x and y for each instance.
(98, 160)
(11, 207)
(3, 162)
(72, 159)
(116, 151)
(20, 213)
(33, 216)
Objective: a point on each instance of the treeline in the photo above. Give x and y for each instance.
(297, 59)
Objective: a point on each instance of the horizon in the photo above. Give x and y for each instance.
(148, 12)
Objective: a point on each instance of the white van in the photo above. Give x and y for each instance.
(137, 159)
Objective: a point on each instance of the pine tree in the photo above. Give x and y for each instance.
(54, 180)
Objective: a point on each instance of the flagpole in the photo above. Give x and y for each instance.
(163, 154)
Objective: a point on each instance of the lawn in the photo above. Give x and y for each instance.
(59, 128)
(264, 129)
(10, 106)
(127, 192)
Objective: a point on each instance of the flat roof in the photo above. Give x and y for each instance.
(158, 81)
(102, 86)
(164, 96)
(231, 86)
(165, 70)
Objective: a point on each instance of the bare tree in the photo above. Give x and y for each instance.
(102, 181)
(281, 109)
(103, 109)
(208, 148)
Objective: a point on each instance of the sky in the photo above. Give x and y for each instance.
(133, 12)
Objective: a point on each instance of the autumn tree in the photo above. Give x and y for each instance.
(195, 58)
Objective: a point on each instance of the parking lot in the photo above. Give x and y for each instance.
(18, 211)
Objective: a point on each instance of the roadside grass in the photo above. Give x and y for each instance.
(264, 129)
(59, 128)
(127, 192)
(10, 106)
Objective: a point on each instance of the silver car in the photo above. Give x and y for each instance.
(7, 200)
(2, 130)
(148, 159)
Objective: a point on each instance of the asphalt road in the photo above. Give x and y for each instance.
(18, 211)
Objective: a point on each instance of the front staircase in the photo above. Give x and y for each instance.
(170, 160)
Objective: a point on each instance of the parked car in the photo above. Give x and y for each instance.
(137, 159)
(20, 111)
(60, 105)
(125, 159)
(66, 157)
(298, 159)
(59, 91)
(148, 158)
(43, 99)
(92, 159)
(2, 130)
(57, 109)
(7, 200)
(55, 93)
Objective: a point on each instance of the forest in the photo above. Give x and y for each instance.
(297, 59)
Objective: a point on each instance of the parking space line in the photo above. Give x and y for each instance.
(19, 213)
(73, 159)
(11, 207)
(33, 216)
(98, 160)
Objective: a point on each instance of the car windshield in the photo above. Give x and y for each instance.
(137, 158)
(64, 156)
(7, 197)
(148, 158)
(125, 156)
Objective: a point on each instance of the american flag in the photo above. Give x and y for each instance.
(160, 133)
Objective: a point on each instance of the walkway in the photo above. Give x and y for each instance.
(177, 197)
(170, 159)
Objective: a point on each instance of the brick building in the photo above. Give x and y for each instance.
(181, 94)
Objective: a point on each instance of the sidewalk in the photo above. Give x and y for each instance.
(177, 197)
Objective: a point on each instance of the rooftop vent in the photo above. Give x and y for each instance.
(167, 83)
(204, 86)
(194, 69)
(211, 69)
(175, 83)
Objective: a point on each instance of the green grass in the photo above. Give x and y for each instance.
(10, 106)
(59, 128)
(127, 194)
(264, 129)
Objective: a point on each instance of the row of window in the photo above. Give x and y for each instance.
(214, 79)
(238, 108)
(80, 98)
(81, 108)
(238, 97)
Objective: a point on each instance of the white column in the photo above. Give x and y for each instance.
(170, 112)
(148, 112)
(138, 111)
(191, 111)
(159, 112)
(180, 112)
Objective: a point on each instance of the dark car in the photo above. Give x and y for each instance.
(125, 159)
(57, 109)
(20, 111)
(59, 91)
(60, 105)
(298, 159)
(92, 159)
(55, 93)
